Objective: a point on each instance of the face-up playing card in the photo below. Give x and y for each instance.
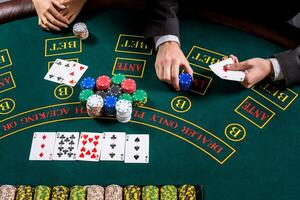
(65, 146)
(218, 69)
(75, 72)
(42, 146)
(89, 147)
(58, 71)
(137, 148)
(113, 146)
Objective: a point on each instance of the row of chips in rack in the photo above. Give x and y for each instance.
(97, 192)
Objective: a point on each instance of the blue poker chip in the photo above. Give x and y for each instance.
(110, 105)
(185, 81)
(88, 83)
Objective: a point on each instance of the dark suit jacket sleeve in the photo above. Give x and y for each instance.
(161, 18)
(289, 62)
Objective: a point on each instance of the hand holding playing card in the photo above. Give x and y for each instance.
(219, 70)
(256, 69)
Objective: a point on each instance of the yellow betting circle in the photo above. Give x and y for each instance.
(181, 111)
(13, 107)
(240, 126)
(63, 98)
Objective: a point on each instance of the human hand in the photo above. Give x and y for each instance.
(73, 8)
(48, 15)
(256, 69)
(169, 58)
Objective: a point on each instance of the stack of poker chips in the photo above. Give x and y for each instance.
(104, 94)
(7, 192)
(94, 105)
(97, 192)
(81, 31)
(185, 81)
(124, 110)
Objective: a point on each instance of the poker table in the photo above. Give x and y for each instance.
(235, 142)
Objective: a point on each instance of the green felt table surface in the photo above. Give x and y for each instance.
(185, 146)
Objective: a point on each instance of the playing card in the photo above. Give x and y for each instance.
(42, 146)
(58, 72)
(89, 147)
(65, 146)
(75, 72)
(137, 148)
(113, 146)
(218, 69)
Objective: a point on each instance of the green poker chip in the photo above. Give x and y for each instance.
(42, 192)
(78, 192)
(150, 192)
(168, 192)
(118, 78)
(85, 94)
(139, 97)
(126, 96)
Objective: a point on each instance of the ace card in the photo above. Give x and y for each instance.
(218, 69)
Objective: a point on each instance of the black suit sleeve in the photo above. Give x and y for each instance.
(161, 18)
(289, 62)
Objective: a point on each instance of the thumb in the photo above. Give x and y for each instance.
(187, 67)
(242, 66)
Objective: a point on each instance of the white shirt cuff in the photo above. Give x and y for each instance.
(158, 40)
(278, 75)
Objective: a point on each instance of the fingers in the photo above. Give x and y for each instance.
(167, 72)
(187, 67)
(174, 75)
(242, 66)
(55, 22)
(58, 4)
(48, 24)
(63, 21)
(72, 18)
(234, 58)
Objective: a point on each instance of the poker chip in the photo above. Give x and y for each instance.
(139, 97)
(42, 192)
(150, 192)
(113, 192)
(132, 192)
(110, 105)
(123, 110)
(118, 79)
(7, 192)
(114, 90)
(103, 82)
(78, 192)
(94, 105)
(24, 192)
(60, 193)
(101, 93)
(80, 30)
(95, 192)
(85, 94)
(126, 96)
(168, 192)
(187, 192)
(185, 81)
(128, 86)
(88, 83)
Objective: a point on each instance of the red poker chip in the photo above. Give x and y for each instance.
(103, 82)
(128, 86)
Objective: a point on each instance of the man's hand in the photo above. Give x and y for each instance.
(256, 69)
(168, 60)
(49, 16)
(73, 8)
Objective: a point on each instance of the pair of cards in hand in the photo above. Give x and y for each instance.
(107, 146)
(218, 69)
(65, 72)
